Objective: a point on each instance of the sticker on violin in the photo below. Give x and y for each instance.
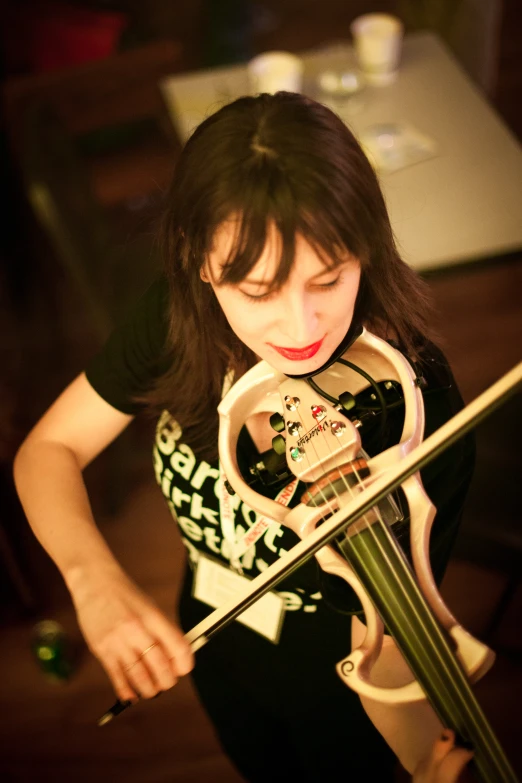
(214, 584)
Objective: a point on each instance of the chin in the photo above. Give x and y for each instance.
(289, 367)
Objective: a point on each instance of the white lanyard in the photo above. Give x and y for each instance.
(238, 547)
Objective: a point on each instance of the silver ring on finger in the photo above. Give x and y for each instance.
(154, 644)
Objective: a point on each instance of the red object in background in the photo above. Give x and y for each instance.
(46, 36)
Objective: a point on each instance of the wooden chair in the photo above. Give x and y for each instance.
(109, 118)
(59, 194)
(106, 93)
(108, 272)
(101, 106)
(57, 123)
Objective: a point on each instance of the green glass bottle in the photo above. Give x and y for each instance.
(53, 650)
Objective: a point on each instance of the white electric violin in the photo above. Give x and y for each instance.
(349, 501)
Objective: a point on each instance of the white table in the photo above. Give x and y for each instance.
(463, 204)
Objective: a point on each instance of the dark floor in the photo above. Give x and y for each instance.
(48, 731)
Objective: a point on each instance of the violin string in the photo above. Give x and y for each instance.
(398, 581)
(369, 524)
(471, 708)
(466, 704)
(370, 557)
(482, 731)
(364, 517)
(318, 458)
(325, 499)
(361, 539)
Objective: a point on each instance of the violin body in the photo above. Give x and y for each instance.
(323, 448)
(264, 389)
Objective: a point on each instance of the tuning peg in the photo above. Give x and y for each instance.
(347, 400)
(294, 428)
(277, 422)
(229, 488)
(279, 444)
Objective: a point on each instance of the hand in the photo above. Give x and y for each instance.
(141, 650)
(445, 762)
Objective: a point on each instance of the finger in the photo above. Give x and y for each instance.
(140, 679)
(452, 766)
(124, 691)
(176, 647)
(160, 667)
(137, 674)
(443, 745)
(145, 663)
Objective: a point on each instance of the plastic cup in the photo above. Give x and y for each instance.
(378, 42)
(274, 71)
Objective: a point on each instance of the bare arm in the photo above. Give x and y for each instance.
(47, 470)
(117, 619)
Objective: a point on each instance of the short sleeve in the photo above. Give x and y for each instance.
(135, 354)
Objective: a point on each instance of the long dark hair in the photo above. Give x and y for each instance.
(289, 161)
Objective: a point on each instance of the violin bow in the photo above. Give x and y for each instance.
(440, 440)
(439, 674)
(499, 771)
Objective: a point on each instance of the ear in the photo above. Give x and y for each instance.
(204, 274)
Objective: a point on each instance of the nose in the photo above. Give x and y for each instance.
(299, 319)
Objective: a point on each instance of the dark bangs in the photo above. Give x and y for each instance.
(272, 174)
(282, 162)
(253, 232)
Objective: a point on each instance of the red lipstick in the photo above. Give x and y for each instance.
(298, 354)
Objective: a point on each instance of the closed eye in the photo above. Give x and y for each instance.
(332, 284)
(270, 294)
(259, 297)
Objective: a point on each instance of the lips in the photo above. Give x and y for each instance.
(298, 354)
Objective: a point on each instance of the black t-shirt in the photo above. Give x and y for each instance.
(315, 632)
(133, 358)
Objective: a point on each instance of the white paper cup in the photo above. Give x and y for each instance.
(274, 71)
(378, 42)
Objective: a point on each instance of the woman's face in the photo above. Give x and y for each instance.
(296, 328)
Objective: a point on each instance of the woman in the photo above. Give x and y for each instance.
(277, 246)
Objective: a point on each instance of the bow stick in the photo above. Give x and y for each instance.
(318, 538)
(435, 444)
